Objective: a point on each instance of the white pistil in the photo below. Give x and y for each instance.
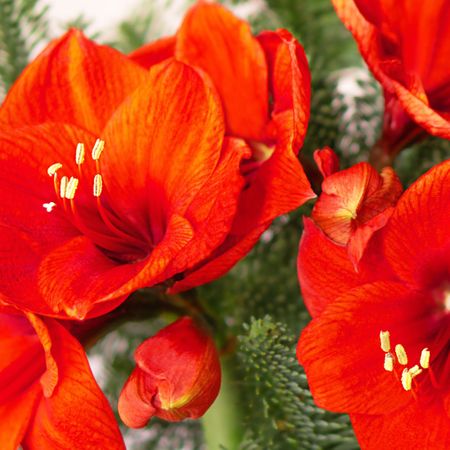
(98, 185)
(385, 341)
(79, 154)
(406, 380)
(425, 358)
(53, 169)
(71, 188)
(401, 354)
(63, 186)
(98, 149)
(389, 362)
(49, 206)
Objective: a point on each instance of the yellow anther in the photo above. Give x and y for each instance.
(401, 354)
(98, 185)
(389, 362)
(406, 380)
(63, 186)
(79, 154)
(98, 149)
(385, 341)
(425, 358)
(53, 169)
(415, 370)
(71, 188)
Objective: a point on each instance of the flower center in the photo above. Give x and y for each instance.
(260, 154)
(447, 300)
(392, 361)
(93, 217)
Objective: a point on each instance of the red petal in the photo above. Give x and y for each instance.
(79, 280)
(319, 287)
(21, 365)
(361, 236)
(233, 249)
(163, 165)
(16, 415)
(213, 39)
(417, 242)
(416, 425)
(136, 400)
(290, 86)
(73, 80)
(213, 210)
(327, 161)
(77, 414)
(341, 352)
(155, 52)
(436, 123)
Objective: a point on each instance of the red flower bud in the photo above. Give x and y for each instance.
(177, 376)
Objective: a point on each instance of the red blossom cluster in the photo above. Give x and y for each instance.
(162, 168)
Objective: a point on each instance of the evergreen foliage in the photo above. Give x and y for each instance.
(281, 412)
(23, 25)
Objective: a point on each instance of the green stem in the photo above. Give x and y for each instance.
(223, 423)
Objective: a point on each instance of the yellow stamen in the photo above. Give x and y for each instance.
(406, 380)
(79, 154)
(425, 358)
(388, 362)
(98, 185)
(71, 188)
(98, 149)
(415, 370)
(53, 169)
(63, 186)
(385, 341)
(401, 354)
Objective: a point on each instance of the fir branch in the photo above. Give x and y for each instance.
(281, 412)
(23, 25)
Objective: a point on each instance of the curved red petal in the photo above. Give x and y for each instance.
(74, 81)
(290, 86)
(77, 414)
(222, 45)
(409, 427)
(417, 239)
(136, 400)
(341, 352)
(319, 287)
(163, 165)
(433, 121)
(16, 415)
(327, 161)
(233, 249)
(155, 52)
(213, 210)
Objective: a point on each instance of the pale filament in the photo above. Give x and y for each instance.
(68, 186)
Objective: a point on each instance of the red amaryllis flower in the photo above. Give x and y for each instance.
(406, 45)
(48, 396)
(264, 86)
(156, 195)
(378, 348)
(354, 203)
(177, 376)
